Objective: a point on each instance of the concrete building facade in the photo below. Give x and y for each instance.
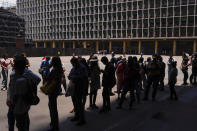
(125, 26)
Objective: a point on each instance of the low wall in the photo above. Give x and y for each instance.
(37, 52)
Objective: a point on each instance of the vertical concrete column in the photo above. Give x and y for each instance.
(124, 46)
(63, 44)
(74, 44)
(45, 44)
(53, 44)
(194, 46)
(139, 46)
(156, 46)
(36, 44)
(97, 46)
(174, 47)
(110, 46)
(84, 44)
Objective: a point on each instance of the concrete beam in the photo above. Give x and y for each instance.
(156, 46)
(63, 44)
(45, 44)
(174, 47)
(110, 46)
(53, 44)
(139, 46)
(74, 44)
(84, 44)
(124, 46)
(36, 44)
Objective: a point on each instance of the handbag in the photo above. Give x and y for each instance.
(49, 87)
(71, 88)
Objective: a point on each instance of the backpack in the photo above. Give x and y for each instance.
(31, 97)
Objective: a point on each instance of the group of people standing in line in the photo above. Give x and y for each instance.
(130, 75)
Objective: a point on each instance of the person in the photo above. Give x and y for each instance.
(153, 69)
(194, 69)
(113, 61)
(169, 63)
(94, 81)
(162, 73)
(55, 74)
(76, 76)
(27, 61)
(131, 76)
(119, 74)
(184, 68)
(18, 92)
(172, 81)
(142, 82)
(108, 83)
(4, 64)
(45, 67)
(86, 81)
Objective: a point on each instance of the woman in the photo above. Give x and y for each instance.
(55, 75)
(95, 81)
(4, 64)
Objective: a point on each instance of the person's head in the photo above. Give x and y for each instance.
(149, 59)
(154, 57)
(56, 62)
(104, 60)
(113, 54)
(130, 60)
(47, 58)
(74, 61)
(24, 54)
(141, 60)
(160, 59)
(19, 64)
(135, 59)
(174, 64)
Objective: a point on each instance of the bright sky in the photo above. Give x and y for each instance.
(7, 2)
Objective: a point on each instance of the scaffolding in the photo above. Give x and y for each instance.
(10, 27)
(108, 19)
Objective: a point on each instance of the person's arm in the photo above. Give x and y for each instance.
(10, 91)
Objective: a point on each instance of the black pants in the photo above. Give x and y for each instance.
(11, 118)
(185, 73)
(22, 122)
(161, 81)
(106, 98)
(152, 80)
(78, 104)
(53, 112)
(93, 96)
(123, 94)
(172, 91)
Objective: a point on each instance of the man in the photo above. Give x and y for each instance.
(108, 82)
(77, 75)
(194, 69)
(184, 67)
(169, 63)
(113, 61)
(162, 74)
(153, 69)
(17, 98)
(4, 64)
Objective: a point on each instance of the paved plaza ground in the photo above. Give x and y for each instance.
(162, 115)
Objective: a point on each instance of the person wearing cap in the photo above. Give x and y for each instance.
(94, 81)
(172, 81)
(184, 67)
(153, 74)
(108, 83)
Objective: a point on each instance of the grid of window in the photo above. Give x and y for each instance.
(104, 19)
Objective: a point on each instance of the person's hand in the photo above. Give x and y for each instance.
(9, 102)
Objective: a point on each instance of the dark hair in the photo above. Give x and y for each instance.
(74, 60)
(56, 63)
(104, 59)
(19, 62)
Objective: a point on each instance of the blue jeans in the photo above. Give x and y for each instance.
(5, 78)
